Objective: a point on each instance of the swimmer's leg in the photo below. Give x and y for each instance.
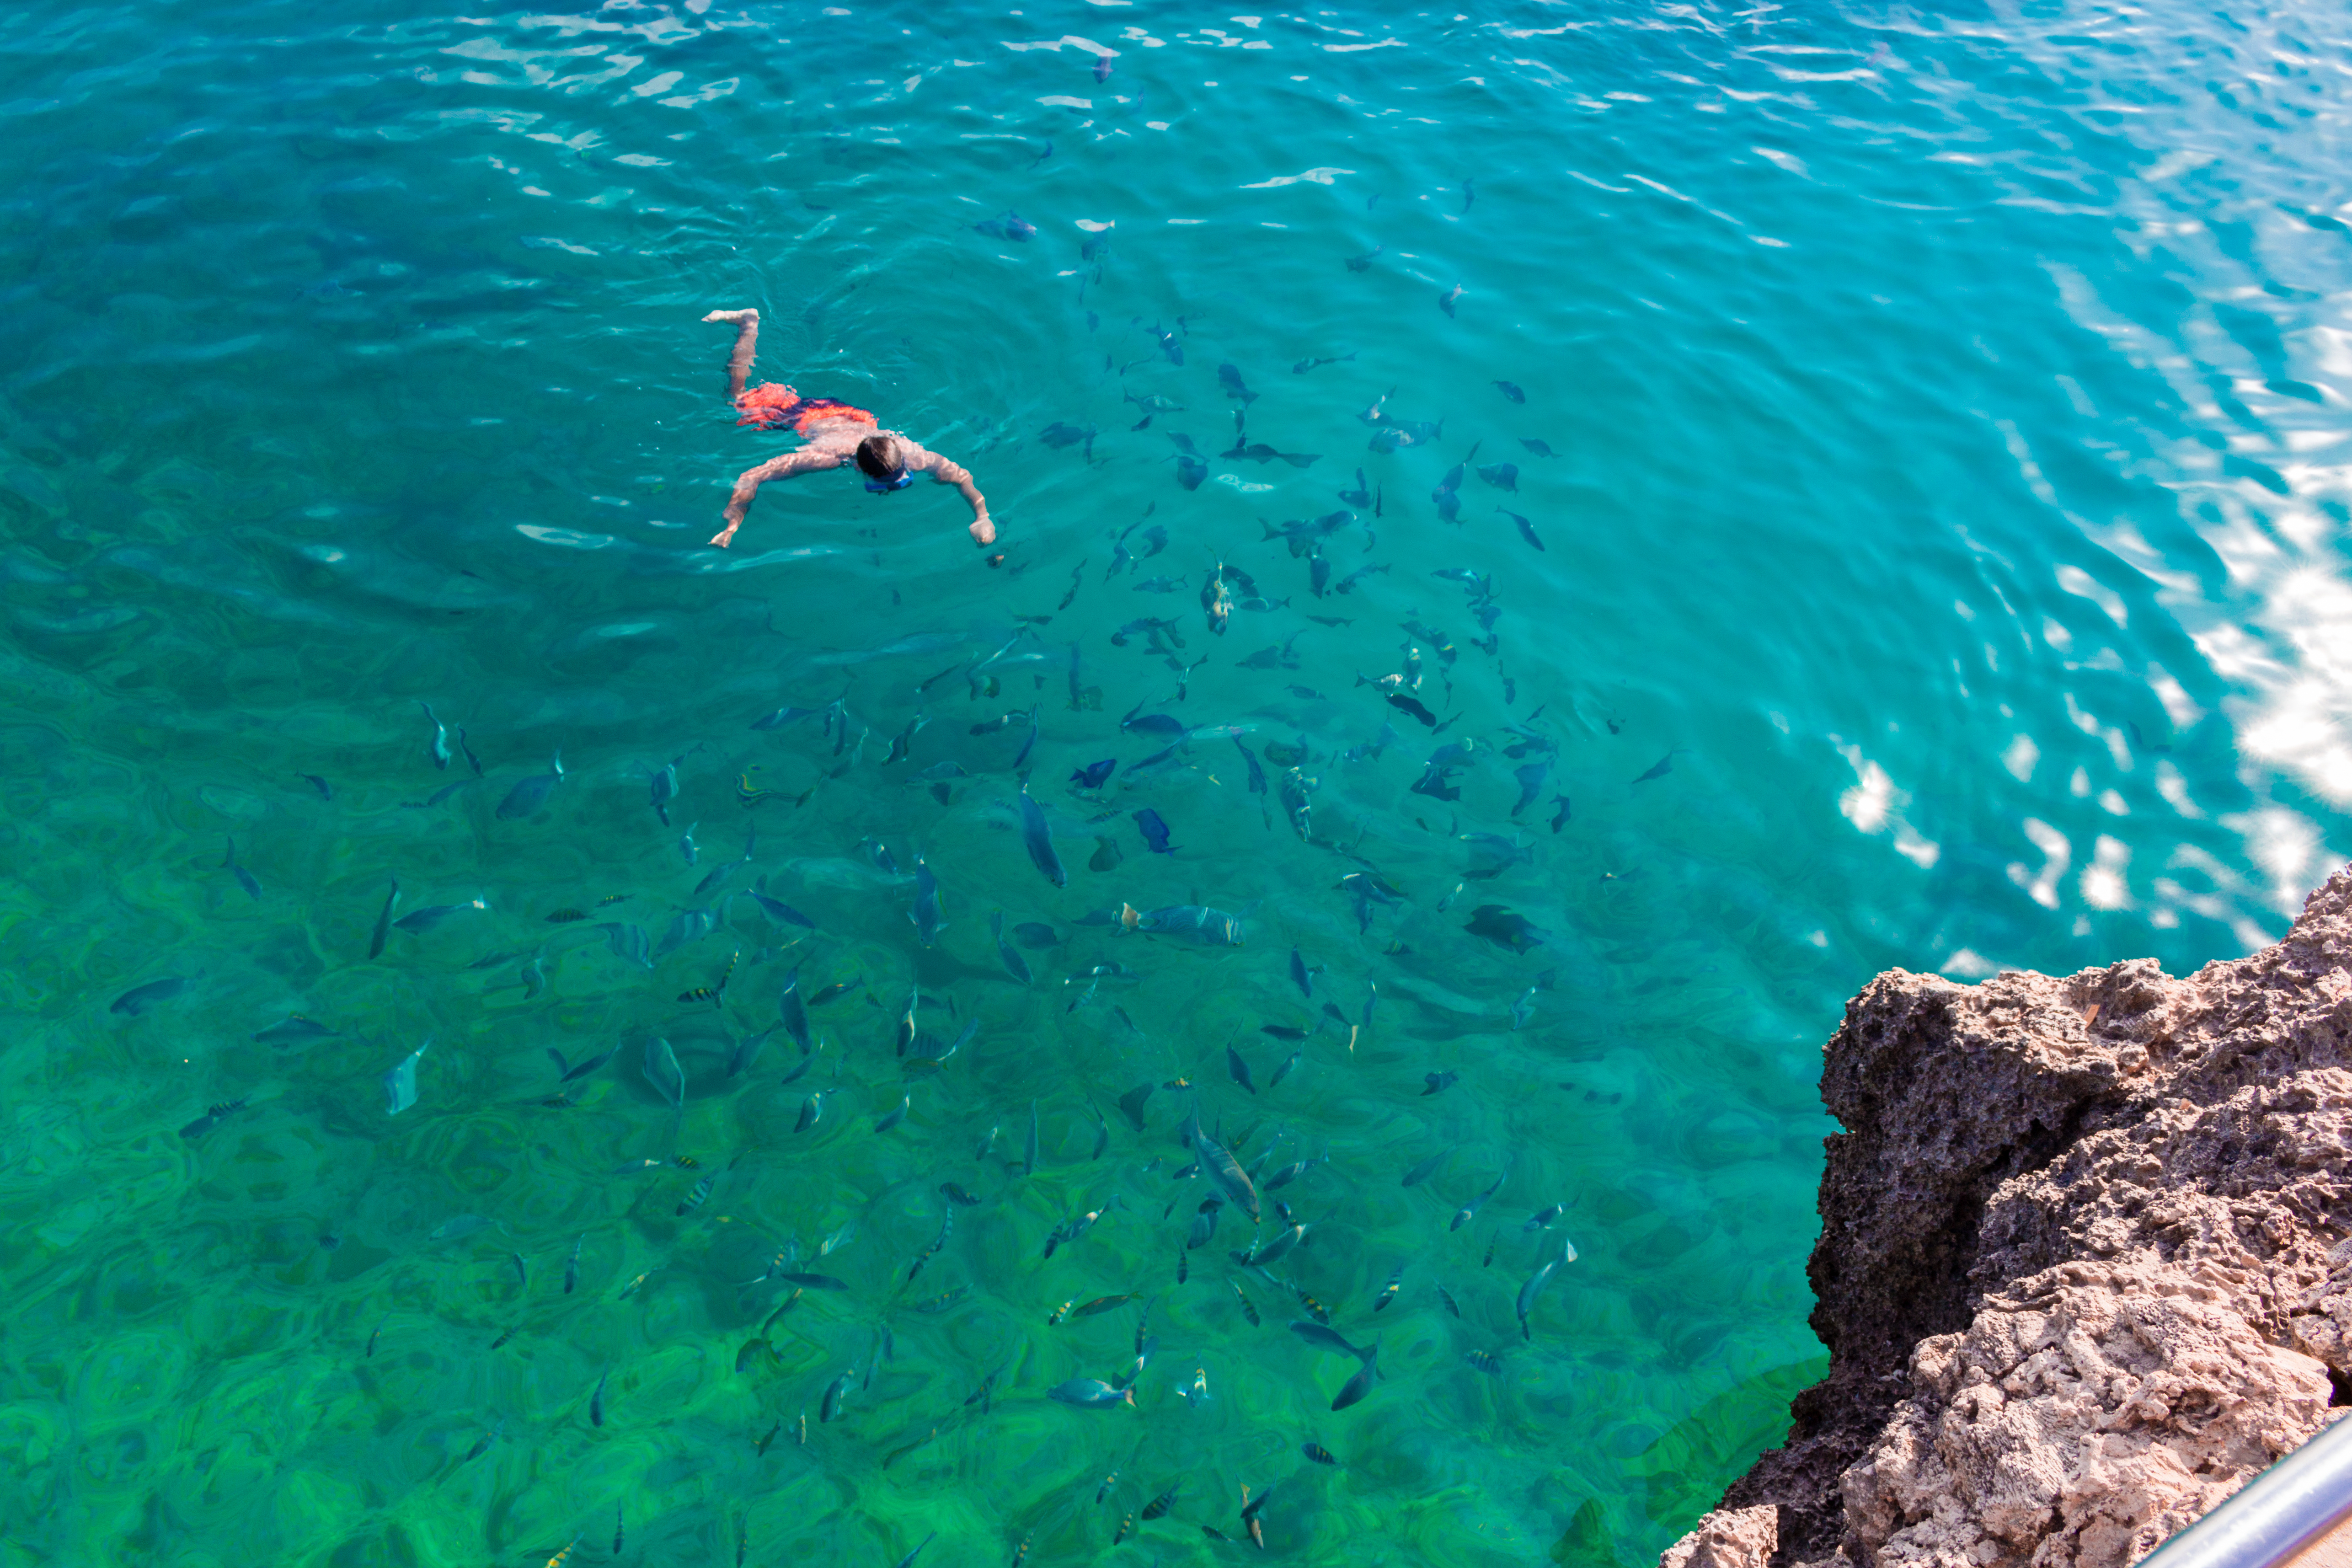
(746, 339)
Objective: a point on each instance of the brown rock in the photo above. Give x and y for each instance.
(2085, 1262)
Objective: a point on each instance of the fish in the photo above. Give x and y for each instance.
(400, 1082)
(896, 1116)
(1303, 366)
(829, 1405)
(1093, 775)
(695, 1199)
(1486, 1361)
(1427, 1168)
(1163, 1503)
(811, 1108)
(1327, 1339)
(326, 791)
(1293, 1171)
(1445, 302)
(1195, 924)
(1239, 1069)
(1012, 225)
(810, 1281)
(416, 922)
(1060, 437)
(1529, 1291)
(295, 1028)
(1542, 1219)
(1510, 391)
(1388, 1291)
(1469, 1211)
(783, 913)
(437, 749)
(567, 1072)
(1505, 928)
(1316, 1453)
(1301, 976)
(1439, 1082)
(628, 944)
(1014, 965)
(1662, 767)
(787, 714)
(1527, 529)
(1154, 830)
(140, 999)
(1229, 379)
(662, 1071)
(928, 916)
(530, 794)
(1139, 722)
(1090, 1394)
(488, 1438)
(245, 878)
(1038, 840)
(383, 926)
(1502, 476)
(1225, 1171)
(213, 1117)
(1413, 705)
(1360, 1385)
(1540, 449)
(1359, 263)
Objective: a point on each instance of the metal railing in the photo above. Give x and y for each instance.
(2275, 1515)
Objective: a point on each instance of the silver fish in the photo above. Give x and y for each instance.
(663, 1072)
(400, 1083)
(1090, 1394)
(1529, 1291)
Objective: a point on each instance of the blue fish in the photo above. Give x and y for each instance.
(1154, 830)
(1093, 775)
(787, 714)
(1151, 723)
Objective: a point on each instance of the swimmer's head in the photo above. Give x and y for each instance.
(884, 465)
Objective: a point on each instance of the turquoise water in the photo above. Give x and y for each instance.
(1947, 483)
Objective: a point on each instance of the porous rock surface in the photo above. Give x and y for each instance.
(2085, 1264)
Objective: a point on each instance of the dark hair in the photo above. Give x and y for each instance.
(877, 458)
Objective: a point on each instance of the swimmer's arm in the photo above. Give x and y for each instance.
(948, 472)
(808, 459)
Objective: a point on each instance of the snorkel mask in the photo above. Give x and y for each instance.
(884, 487)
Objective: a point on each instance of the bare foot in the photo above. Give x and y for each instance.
(721, 537)
(733, 316)
(983, 531)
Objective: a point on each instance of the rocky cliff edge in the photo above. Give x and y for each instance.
(2085, 1264)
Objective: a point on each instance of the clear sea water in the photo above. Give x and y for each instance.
(1947, 479)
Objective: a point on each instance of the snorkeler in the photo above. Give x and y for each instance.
(836, 435)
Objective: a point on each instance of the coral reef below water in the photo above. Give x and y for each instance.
(2085, 1264)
